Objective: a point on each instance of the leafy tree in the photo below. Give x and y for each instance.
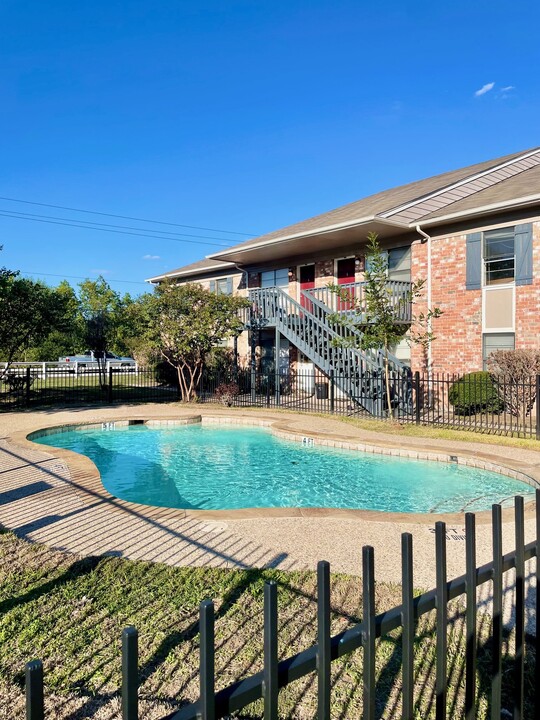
(68, 337)
(30, 310)
(185, 323)
(378, 313)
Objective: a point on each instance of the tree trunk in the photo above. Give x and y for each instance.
(387, 383)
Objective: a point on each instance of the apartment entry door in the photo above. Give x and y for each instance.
(307, 282)
(345, 276)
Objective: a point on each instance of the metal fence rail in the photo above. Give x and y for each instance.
(477, 402)
(318, 658)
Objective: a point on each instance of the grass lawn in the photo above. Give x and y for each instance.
(70, 612)
(63, 389)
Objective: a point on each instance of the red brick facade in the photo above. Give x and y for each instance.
(528, 302)
(457, 347)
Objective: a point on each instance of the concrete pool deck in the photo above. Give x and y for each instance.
(56, 498)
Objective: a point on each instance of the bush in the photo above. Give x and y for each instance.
(226, 392)
(165, 374)
(514, 374)
(473, 393)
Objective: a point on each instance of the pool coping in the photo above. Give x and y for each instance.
(86, 479)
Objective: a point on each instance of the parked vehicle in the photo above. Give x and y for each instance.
(89, 358)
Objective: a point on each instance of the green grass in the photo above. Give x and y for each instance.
(70, 612)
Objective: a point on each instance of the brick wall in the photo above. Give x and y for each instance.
(528, 302)
(324, 273)
(457, 347)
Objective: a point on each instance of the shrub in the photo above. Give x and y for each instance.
(514, 374)
(226, 392)
(473, 393)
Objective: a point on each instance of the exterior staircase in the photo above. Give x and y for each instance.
(309, 326)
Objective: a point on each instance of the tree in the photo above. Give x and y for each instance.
(514, 374)
(186, 322)
(30, 310)
(67, 338)
(378, 313)
(100, 307)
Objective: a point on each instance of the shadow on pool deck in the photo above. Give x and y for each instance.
(100, 531)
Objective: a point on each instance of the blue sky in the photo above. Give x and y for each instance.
(240, 116)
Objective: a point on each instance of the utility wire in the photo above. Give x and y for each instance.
(96, 226)
(118, 232)
(128, 217)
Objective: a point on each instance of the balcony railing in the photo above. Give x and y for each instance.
(355, 302)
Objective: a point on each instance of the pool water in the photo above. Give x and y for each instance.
(227, 467)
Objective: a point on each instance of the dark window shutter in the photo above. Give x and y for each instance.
(229, 286)
(524, 254)
(212, 286)
(473, 275)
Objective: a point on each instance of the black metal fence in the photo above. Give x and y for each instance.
(317, 659)
(478, 401)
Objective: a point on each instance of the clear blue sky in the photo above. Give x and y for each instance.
(241, 115)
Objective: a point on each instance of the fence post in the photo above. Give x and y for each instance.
(34, 690)
(537, 407)
(270, 651)
(332, 391)
(417, 396)
(368, 622)
(206, 661)
(110, 389)
(130, 709)
(27, 385)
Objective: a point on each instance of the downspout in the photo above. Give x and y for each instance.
(427, 238)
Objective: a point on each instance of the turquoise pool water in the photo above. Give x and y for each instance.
(224, 467)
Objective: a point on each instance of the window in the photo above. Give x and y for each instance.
(499, 256)
(398, 263)
(222, 286)
(275, 278)
(496, 341)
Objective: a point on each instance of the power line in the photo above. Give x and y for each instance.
(80, 277)
(128, 217)
(118, 232)
(96, 226)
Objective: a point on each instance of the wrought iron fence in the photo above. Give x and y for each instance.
(316, 661)
(479, 401)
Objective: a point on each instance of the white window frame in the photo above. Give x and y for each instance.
(484, 261)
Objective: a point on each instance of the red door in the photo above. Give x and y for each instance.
(345, 275)
(307, 282)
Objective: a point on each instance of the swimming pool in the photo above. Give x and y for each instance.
(229, 467)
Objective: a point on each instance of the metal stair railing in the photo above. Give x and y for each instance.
(397, 290)
(399, 372)
(356, 373)
(351, 332)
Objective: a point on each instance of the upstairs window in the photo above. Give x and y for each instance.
(222, 286)
(275, 278)
(499, 256)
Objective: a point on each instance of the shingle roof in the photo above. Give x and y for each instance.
(495, 181)
(523, 185)
(201, 266)
(378, 204)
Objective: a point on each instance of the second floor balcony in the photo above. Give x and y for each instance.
(353, 300)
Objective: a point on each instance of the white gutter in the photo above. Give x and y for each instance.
(429, 298)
